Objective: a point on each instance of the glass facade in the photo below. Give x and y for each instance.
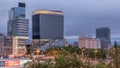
(36, 27)
(103, 32)
(18, 25)
(17, 12)
(47, 26)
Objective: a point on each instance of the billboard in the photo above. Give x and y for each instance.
(12, 63)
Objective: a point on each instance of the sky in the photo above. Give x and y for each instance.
(81, 17)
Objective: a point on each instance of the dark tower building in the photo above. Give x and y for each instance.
(47, 25)
(103, 32)
(104, 35)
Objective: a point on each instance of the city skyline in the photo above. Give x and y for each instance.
(70, 33)
(93, 13)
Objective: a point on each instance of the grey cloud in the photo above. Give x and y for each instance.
(81, 16)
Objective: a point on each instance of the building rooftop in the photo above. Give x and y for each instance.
(47, 12)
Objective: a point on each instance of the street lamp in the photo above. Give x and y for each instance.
(37, 51)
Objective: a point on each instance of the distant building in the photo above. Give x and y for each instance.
(47, 25)
(104, 43)
(88, 42)
(18, 25)
(104, 35)
(103, 32)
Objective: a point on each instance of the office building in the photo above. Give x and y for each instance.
(88, 42)
(18, 25)
(103, 32)
(10, 45)
(47, 25)
(19, 45)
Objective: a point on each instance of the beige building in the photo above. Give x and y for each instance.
(89, 42)
(19, 48)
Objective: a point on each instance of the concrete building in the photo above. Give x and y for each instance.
(19, 47)
(9, 45)
(88, 42)
(47, 25)
(6, 45)
(18, 26)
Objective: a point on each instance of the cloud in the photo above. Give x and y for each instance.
(82, 17)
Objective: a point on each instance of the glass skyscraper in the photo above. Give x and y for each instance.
(103, 32)
(104, 35)
(16, 12)
(47, 24)
(18, 27)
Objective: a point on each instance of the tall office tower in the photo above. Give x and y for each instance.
(18, 24)
(103, 32)
(104, 35)
(47, 25)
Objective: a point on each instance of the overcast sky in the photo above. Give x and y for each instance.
(82, 17)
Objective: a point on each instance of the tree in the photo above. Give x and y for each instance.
(66, 60)
(114, 55)
(100, 64)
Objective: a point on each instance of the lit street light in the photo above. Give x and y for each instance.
(37, 51)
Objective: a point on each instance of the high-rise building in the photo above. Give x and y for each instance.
(47, 25)
(18, 24)
(103, 32)
(88, 42)
(104, 35)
